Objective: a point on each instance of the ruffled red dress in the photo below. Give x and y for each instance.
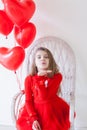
(43, 104)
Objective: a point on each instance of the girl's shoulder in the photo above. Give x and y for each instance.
(58, 75)
(28, 78)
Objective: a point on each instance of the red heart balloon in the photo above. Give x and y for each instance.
(6, 24)
(25, 35)
(2, 1)
(19, 11)
(12, 58)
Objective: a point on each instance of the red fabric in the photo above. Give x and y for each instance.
(42, 104)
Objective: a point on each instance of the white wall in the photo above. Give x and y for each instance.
(66, 19)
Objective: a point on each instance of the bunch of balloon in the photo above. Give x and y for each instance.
(16, 16)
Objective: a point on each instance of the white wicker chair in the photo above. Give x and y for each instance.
(65, 59)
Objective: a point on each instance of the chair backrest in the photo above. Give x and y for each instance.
(64, 57)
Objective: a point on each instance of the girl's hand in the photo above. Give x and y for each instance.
(36, 125)
(44, 72)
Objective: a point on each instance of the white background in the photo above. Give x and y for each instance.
(66, 19)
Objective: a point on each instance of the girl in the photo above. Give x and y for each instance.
(43, 109)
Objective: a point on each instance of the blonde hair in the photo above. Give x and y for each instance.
(52, 64)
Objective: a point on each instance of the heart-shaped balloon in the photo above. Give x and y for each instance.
(2, 0)
(25, 35)
(12, 58)
(19, 11)
(6, 24)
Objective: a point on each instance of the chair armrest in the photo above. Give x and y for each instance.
(72, 110)
(15, 105)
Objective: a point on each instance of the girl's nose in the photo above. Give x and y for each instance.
(42, 58)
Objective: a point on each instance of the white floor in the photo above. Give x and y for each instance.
(7, 128)
(13, 128)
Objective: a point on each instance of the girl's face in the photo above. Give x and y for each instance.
(41, 60)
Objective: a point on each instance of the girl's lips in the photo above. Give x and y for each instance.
(43, 63)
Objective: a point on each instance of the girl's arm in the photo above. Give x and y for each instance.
(29, 99)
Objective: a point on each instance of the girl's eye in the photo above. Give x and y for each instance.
(46, 57)
(39, 57)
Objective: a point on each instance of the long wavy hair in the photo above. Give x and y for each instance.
(52, 64)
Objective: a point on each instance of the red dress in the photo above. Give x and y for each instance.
(43, 104)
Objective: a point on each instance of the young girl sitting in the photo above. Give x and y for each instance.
(43, 109)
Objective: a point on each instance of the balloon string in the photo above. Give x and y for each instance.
(6, 37)
(18, 81)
